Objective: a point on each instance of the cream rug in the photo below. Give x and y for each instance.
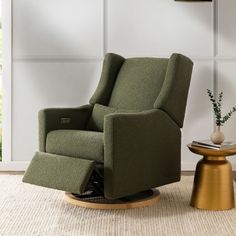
(31, 210)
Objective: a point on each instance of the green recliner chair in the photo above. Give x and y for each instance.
(128, 138)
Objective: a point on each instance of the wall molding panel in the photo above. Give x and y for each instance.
(57, 29)
(55, 60)
(7, 82)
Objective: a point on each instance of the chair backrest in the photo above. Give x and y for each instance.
(137, 84)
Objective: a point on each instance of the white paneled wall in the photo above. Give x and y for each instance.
(58, 46)
(159, 27)
(227, 83)
(57, 28)
(226, 29)
(43, 84)
(198, 120)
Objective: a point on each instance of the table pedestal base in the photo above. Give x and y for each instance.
(213, 184)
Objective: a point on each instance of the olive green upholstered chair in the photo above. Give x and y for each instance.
(126, 140)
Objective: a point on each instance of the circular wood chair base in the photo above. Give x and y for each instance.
(145, 198)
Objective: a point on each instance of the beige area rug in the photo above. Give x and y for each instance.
(31, 210)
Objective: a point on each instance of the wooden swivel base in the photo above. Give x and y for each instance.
(145, 198)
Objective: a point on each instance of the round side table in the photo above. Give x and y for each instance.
(213, 180)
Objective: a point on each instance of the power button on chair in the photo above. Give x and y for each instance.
(65, 120)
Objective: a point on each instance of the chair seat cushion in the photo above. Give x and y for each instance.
(76, 143)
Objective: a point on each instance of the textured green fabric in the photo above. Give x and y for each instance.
(111, 67)
(50, 119)
(173, 96)
(76, 143)
(138, 83)
(59, 172)
(96, 120)
(142, 151)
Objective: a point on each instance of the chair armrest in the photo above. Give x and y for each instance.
(61, 118)
(142, 151)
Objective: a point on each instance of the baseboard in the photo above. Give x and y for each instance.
(14, 166)
(22, 166)
(188, 166)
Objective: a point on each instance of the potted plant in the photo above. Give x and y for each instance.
(217, 136)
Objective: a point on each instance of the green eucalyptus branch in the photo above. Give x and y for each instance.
(217, 105)
(220, 98)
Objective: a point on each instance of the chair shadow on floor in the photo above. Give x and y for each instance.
(172, 203)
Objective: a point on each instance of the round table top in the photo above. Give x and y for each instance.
(211, 152)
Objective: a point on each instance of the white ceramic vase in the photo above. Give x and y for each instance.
(217, 137)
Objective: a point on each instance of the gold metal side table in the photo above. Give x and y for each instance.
(213, 180)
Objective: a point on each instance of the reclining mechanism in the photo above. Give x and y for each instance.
(95, 187)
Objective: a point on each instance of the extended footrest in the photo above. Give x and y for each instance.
(59, 172)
